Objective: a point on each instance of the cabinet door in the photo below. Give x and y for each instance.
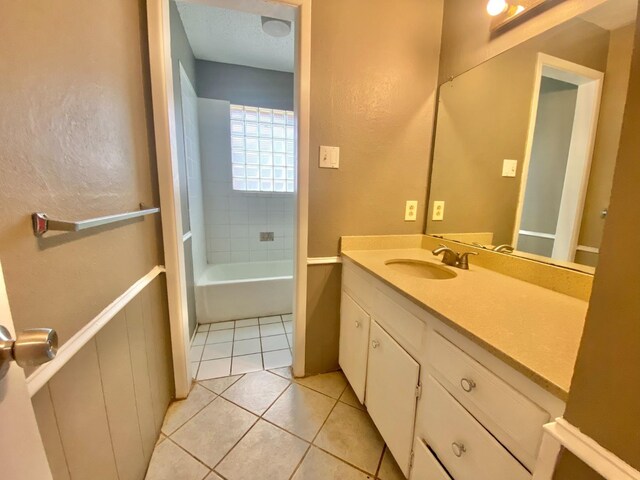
(354, 343)
(392, 379)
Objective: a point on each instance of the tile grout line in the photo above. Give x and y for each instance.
(192, 416)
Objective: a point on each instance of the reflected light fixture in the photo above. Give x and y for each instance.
(496, 7)
(276, 27)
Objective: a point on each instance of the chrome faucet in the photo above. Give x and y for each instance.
(451, 258)
(505, 247)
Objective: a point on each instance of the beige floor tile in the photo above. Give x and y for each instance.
(389, 469)
(170, 462)
(284, 372)
(219, 385)
(256, 391)
(214, 431)
(195, 353)
(319, 465)
(350, 435)
(200, 339)
(213, 476)
(182, 410)
(349, 397)
(277, 359)
(266, 452)
(301, 411)
(332, 384)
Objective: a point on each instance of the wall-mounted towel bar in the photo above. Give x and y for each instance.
(42, 224)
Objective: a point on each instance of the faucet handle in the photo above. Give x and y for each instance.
(463, 260)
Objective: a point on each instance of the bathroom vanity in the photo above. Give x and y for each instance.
(458, 371)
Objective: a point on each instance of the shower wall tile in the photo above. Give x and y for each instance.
(234, 220)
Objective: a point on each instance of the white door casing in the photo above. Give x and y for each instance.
(22, 455)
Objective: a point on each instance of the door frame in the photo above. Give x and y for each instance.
(583, 135)
(167, 163)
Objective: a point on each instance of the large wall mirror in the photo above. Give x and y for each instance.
(526, 143)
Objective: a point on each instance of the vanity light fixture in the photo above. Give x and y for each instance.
(276, 27)
(498, 7)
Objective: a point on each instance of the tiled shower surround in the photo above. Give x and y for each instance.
(234, 219)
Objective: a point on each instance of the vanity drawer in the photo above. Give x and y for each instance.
(405, 327)
(358, 284)
(464, 447)
(514, 419)
(425, 465)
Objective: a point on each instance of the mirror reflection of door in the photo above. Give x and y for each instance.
(562, 130)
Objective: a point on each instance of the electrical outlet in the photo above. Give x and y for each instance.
(509, 168)
(329, 157)
(438, 210)
(411, 211)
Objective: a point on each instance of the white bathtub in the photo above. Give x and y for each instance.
(233, 291)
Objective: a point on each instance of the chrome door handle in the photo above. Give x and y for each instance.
(31, 347)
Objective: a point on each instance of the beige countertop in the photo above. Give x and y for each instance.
(535, 330)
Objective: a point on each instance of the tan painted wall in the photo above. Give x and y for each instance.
(373, 79)
(467, 40)
(76, 141)
(603, 401)
(483, 118)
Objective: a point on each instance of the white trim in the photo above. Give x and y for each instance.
(43, 374)
(589, 84)
(562, 434)
(164, 121)
(186, 236)
(160, 63)
(584, 248)
(323, 260)
(530, 233)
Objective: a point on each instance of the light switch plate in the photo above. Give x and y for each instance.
(438, 210)
(411, 211)
(329, 157)
(509, 168)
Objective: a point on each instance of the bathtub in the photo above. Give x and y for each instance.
(233, 291)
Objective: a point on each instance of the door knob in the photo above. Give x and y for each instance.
(31, 347)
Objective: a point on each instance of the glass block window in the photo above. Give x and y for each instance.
(262, 149)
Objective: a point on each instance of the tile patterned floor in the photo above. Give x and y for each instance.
(266, 425)
(241, 346)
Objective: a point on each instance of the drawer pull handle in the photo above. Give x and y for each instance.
(467, 384)
(375, 344)
(357, 323)
(458, 449)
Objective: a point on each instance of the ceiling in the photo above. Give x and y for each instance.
(229, 36)
(612, 14)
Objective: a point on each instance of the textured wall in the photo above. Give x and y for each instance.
(603, 401)
(373, 85)
(242, 85)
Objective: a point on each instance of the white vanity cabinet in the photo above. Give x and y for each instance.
(447, 408)
(354, 343)
(392, 388)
